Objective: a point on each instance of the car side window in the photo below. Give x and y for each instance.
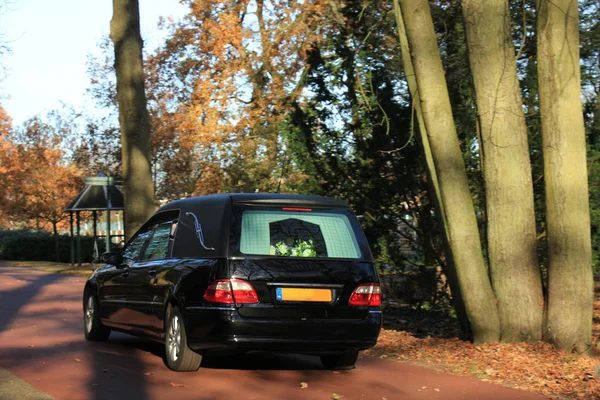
(158, 246)
(133, 249)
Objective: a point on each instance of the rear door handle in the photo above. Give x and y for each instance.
(125, 274)
(152, 272)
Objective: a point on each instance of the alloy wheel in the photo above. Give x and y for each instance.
(89, 314)
(174, 338)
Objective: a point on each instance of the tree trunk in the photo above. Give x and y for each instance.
(432, 179)
(570, 281)
(133, 115)
(461, 225)
(511, 233)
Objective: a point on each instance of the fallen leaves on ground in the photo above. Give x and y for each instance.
(536, 367)
(428, 338)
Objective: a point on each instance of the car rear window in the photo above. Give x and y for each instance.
(298, 233)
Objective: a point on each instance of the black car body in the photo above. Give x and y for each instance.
(243, 272)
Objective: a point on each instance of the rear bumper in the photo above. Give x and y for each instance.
(224, 330)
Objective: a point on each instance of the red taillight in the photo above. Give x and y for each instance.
(229, 291)
(367, 294)
(219, 292)
(243, 292)
(297, 209)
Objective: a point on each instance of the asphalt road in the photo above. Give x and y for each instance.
(42, 343)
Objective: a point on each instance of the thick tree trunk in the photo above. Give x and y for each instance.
(432, 179)
(133, 114)
(511, 234)
(570, 280)
(461, 225)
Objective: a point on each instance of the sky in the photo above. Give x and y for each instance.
(50, 41)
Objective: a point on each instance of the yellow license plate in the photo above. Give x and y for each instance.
(304, 294)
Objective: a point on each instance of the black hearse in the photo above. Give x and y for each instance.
(242, 272)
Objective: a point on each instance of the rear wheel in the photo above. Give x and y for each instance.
(178, 355)
(92, 327)
(345, 360)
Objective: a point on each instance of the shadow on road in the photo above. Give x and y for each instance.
(104, 367)
(117, 374)
(124, 371)
(264, 361)
(13, 300)
(249, 362)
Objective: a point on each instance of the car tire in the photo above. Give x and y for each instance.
(179, 357)
(93, 328)
(341, 361)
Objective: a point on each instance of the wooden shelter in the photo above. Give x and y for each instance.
(99, 194)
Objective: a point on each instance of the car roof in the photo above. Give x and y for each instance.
(255, 198)
(211, 215)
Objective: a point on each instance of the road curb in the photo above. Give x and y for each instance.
(12, 388)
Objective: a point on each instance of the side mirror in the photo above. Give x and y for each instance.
(111, 258)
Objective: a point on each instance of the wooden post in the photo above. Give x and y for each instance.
(78, 240)
(95, 223)
(72, 244)
(107, 219)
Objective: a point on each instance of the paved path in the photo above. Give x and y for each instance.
(12, 388)
(41, 342)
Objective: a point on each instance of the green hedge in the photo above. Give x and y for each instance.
(39, 246)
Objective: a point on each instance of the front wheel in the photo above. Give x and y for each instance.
(179, 356)
(93, 329)
(341, 361)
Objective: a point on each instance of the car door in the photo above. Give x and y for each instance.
(121, 290)
(153, 266)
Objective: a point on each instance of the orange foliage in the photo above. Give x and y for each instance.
(36, 183)
(186, 167)
(5, 165)
(221, 86)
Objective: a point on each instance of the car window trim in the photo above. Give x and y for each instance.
(142, 248)
(169, 245)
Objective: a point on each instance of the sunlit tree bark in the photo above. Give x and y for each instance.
(461, 229)
(433, 183)
(570, 280)
(133, 114)
(511, 234)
